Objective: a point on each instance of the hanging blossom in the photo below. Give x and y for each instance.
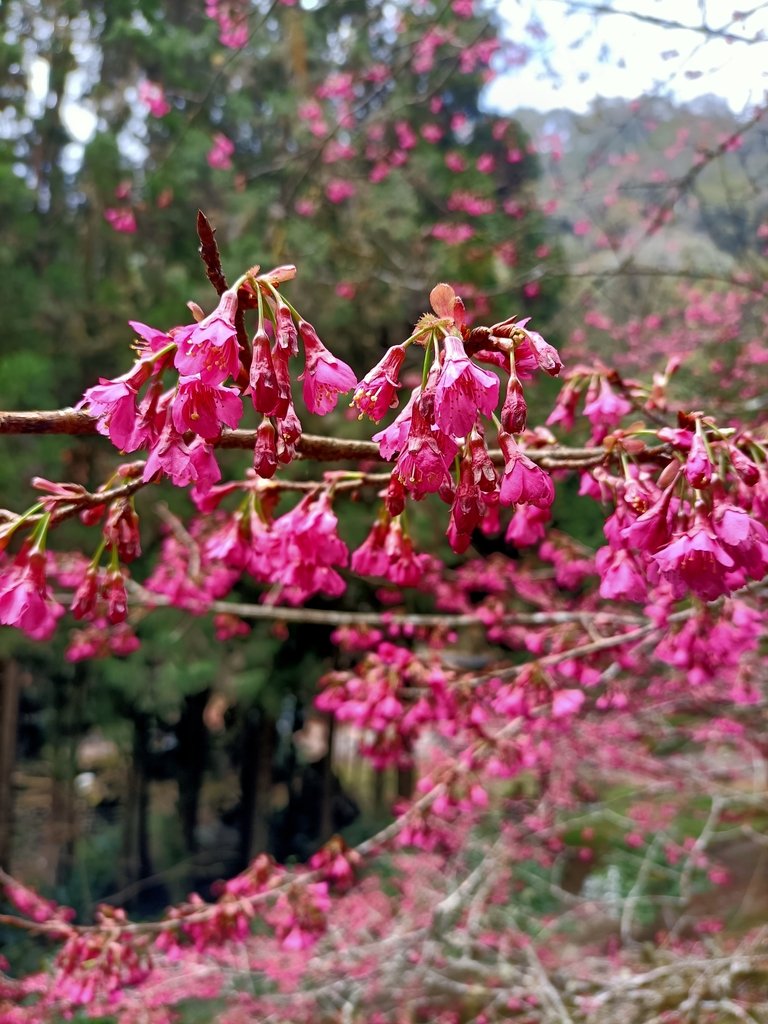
(178, 425)
(443, 419)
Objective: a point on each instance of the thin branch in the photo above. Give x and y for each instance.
(670, 24)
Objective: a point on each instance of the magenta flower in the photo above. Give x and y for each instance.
(744, 538)
(376, 393)
(151, 94)
(532, 352)
(325, 377)
(219, 156)
(25, 598)
(204, 408)
(605, 409)
(696, 561)
(527, 526)
(210, 348)
(514, 411)
(619, 576)
(265, 450)
(184, 464)
(651, 530)
(392, 439)
(309, 550)
(263, 384)
(462, 390)
(467, 510)
(698, 467)
(523, 483)
(370, 559)
(117, 601)
(113, 403)
(286, 336)
(421, 466)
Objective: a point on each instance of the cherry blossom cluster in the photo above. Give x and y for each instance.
(439, 436)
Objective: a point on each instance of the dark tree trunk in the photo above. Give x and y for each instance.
(135, 861)
(9, 719)
(256, 782)
(191, 757)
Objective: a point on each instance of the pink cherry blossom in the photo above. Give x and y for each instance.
(210, 348)
(26, 601)
(462, 390)
(219, 156)
(523, 483)
(376, 393)
(325, 377)
(152, 95)
(696, 561)
(205, 408)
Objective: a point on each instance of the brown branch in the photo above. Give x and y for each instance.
(209, 253)
(312, 447)
(332, 617)
(671, 24)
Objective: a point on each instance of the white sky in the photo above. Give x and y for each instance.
(587, 55)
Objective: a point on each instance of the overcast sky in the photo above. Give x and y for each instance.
(584, 55)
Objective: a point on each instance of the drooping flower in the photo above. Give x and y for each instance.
(265, 450)
(184, 464)
(462, 390)
(113, 403)
(514, 411)
(263, 384)
(523, 483)
(25, 597)
(698, 466)
(152, 95)
(696, 561)
(392, 439)
(307, 551)
(376, 393)
(620, 579)
(205, 408)
(371, 559)
(605, 409)
(325, 377)
(210, 348)
(421, 466)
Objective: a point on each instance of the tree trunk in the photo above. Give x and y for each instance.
(256, 782)
(9, 719)
(135, 860)
(191, 756)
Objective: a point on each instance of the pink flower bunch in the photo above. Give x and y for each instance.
(308, 553)
(186, 577)
(337, 862)
(36, 907)
(232, 19)
(219, 156)
(697, 536)
(93, 968)
(297, 553)
(121, 219)
(26, 601)
(152, 95)
(375, 697)
(100, 639)
(179, 426)
(443, 418)
(388, 552)
(299, 916)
